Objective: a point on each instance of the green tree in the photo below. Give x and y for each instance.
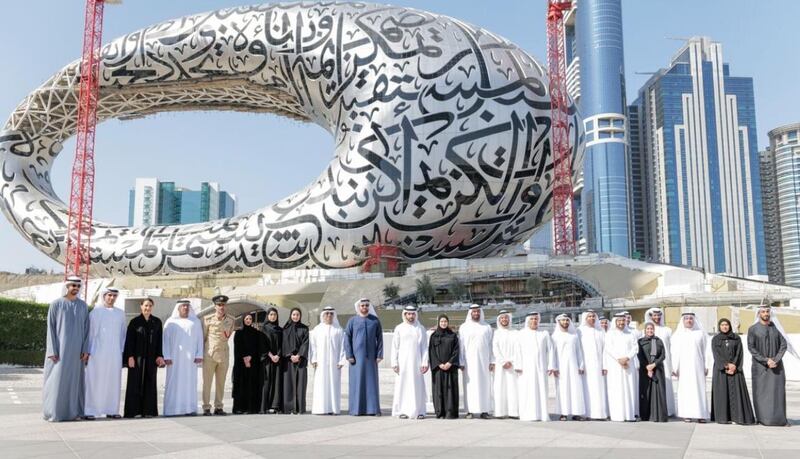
(494, 291)
(391, 292)
(425, 290)
(534, 285)
(457, 289)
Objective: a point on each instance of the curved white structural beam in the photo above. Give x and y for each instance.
(441, 134)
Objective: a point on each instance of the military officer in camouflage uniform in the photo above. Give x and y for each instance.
(217, 329)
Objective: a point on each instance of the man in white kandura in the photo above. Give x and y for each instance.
(475, 342)
(569, 362)
(535, 361)
(636, 335)
(504, 347)
(183, 352)
(664, 333)
(594, 378)
(410, 363)
(689, 344)
(620, 363)
(327, 357)
(107, 329)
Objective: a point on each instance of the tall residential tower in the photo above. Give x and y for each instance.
(697, 146)
(604, 198)
(780, 185)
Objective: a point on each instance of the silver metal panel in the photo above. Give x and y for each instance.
(441, 134)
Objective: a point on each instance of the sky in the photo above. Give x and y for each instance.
(262, 158)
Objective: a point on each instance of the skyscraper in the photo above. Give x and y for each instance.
(771, 216)
(604, 198)
(152, 202)
(596, 83)
(780, 185)
(700, 157)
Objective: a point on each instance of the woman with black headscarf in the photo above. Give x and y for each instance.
(295, 363)
(729, 399)
(443, 354)
(272, 391)
(248, 372)
(652, 382)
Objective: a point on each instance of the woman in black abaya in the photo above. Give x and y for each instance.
(272, 390)
(730, 402)
(295, 363)
(443, 353)
(652, 382)
(248, 372)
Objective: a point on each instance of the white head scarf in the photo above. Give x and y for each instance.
(72, 280)
(612, 324)
(334, 323)
(468, 322)
(177, 315)
(648, 316)
(773, 317)
(417, 322)
(371, 307)
(682, 329)
(583, 323)
(570, 328)
(528, 319)
(503, 313)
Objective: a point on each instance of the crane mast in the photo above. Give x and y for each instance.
(81, 197)
(563, 213)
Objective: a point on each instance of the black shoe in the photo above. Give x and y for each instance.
(219, 412)
(88, 418)
(148, 416)
(403, 416)
(114, 416)
(191, 414)
(206, 412)
(485, 416)
(577, 418)
(238, 412)
(421, 416)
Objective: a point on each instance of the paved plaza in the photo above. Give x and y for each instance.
(23, 433)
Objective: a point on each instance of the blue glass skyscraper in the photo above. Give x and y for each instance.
(604, 198)
(699, 150)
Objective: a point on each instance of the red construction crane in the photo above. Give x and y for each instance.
(81, 196)
(563, 229)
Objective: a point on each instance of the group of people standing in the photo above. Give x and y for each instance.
(617, 373)
(620, 373)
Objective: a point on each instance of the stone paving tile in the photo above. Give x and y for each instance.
(23, 433)
(25, 449)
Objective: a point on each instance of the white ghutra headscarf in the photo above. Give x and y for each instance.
(371, 307)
